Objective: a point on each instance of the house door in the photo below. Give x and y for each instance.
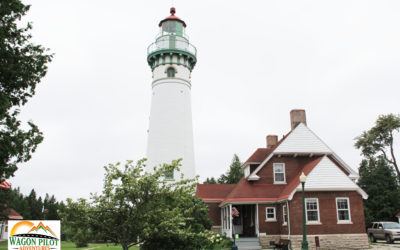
(245, 223)
(249, 220)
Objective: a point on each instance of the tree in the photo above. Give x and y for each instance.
(378, 141)
(379, 181)
(22, 66)
(35, 206)
(137, 207)
(210, 181)
(377, 169)
(75, 222)
(232, 176)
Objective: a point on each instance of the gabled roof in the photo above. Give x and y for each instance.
(12, 214)
(302, 140)
(262, 153)
(246, 191)
(326, 176)
(259, 155)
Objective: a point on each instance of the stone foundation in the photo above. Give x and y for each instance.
(326, 241)
(265, 239)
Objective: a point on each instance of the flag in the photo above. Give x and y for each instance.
(5, 185)
(235, 212)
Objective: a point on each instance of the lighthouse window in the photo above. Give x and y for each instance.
(169, 175)
(171, 72)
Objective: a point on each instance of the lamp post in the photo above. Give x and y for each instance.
(304, 244)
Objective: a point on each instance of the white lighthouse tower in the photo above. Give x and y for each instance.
(170, 136)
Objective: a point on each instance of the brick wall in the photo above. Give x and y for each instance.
(292, 167)
(327, 213)
(214, 213)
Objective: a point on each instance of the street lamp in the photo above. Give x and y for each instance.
(304, 244)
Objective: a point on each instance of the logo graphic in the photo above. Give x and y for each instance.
(34, 235)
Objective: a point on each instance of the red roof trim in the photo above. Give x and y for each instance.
(172, 17)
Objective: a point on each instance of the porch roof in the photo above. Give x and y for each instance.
(213, 192)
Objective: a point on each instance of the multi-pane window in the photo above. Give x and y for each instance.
(171, 72)
(270, 213)
(312, 210)
(343, 209)
(284, 214)
(279, 173)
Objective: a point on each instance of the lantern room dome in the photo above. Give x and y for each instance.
(172, 17)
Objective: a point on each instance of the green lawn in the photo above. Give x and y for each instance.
(3, 245)
(70, 245)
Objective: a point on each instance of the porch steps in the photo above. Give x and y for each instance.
(250, 243)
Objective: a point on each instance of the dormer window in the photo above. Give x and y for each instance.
(279, 173)
(171, 72)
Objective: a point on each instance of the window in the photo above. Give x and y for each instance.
(343, 209)
(270, 214)
(169, 175)
(279, 173)
(284, 214)
(171, 72)
(312, 210)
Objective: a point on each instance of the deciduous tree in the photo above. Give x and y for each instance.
(22, 66)
(137, 207)
(379, 140)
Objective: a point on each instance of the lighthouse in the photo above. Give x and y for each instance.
(170, 136)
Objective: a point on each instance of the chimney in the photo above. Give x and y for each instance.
(296, 117)
(271, 140)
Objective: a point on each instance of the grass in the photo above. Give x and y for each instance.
(71, 245)
(3, 244)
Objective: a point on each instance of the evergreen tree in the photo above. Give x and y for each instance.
(210, 181)
(232, 176)
(379, 181)
(35, 206)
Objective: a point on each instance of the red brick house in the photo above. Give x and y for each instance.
(269, 197)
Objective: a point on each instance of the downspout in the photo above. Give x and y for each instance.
(288, 218)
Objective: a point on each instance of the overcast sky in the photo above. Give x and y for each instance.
(257, 60)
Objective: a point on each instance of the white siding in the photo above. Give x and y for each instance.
(170, 134)
(302, 140)
(326, 176)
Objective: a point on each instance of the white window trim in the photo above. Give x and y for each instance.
(337, 211)
(266, 214)
(312, 222)
(284, 208)
(284, 173)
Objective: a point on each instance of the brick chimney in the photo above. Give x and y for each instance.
(297, 116)
(271, 140)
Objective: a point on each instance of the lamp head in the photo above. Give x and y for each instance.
(303, 177)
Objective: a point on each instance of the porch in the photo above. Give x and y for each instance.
(243, 221)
